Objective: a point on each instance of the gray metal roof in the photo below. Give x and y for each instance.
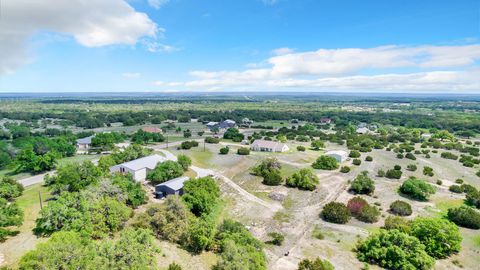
(146, 162)
(86, 140)
(176, 183)
(275, 146)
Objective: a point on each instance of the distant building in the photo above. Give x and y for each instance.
(325, 121)
(171, 187)
(152, 130)
(247, 122)
(268, 146)
(363, 130)
(84, 144)
(138, 168)
(339, 155)
(222, 125)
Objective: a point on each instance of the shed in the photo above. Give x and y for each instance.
(339, 155)
(139, 168)
(171, 187)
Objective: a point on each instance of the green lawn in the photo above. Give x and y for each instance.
(77, 159)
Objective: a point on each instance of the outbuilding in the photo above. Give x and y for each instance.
(268, 146)
(138, 168)
(171, 187)
(84, 144)
(339, 155)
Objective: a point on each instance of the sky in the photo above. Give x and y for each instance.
(428, 46)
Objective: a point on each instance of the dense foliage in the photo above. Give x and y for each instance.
(304, 179)
(317, 264)
(401, 208)
(165, 171)
(417, 189)
(465, 216)
(362, 184)
(325, 163)
(335, 212)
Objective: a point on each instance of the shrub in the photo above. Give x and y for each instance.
(345, 169)
(393, 249)
(272, 178)
(381, 173)
(243, 151)
(317, 264)
(473, 198)
(428, 171)
(356, 162)
(277, 238)
(448, 155)
(468, 188)
(184, 161)
(369, 214)
(10, 188)
(354, 154)
(303, 179)
(401, 208)
(336, 213)
(362, 184)
(355, 205)
(301, 148)
(417, 189)
(400, 156)
(456, 189)
(165, 171)
(224, 150)
(439, 182)
(410, 156)
(464, 216)
(212, 140)
(397, 167)
(394, 174)
(397, 223)
(440, 236)
(368, 158)
(459, 181)
(412, 167)
(188, 144)
(325, 163)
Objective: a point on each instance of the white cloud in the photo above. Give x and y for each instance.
(91, 23)
(431, 68)
(154, 46)
(157, 4)
(131, 75)
(282, 51)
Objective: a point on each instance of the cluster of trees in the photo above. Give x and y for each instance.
(165, 171)
(269, 169)
(10, 212)
(143, 137)
(325, 163)
(417, 189)
(304, 179)
(188, 145)
(133, 249)
(233, 134)
(107, 141)
(411, 244)
(132, 152)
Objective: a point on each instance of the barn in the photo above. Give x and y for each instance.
(171, 187)
(138, 168)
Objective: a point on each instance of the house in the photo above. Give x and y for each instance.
(222, 125)
(363, 130)
(339, 155)
(152, 130)
(247, 122)
(212, 125)
(139, 168)
(84, 144)
(171, 187)
(325, 121)
(268, 146)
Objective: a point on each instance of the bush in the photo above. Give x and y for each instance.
(317, 264)
(184, 161)
(303, 179)
(393, 249)
(473, 198)
(410, 156)
(277, 238)
(325, 163)
(224, 150)
(363, 184)
(336, 213)
(188, 144)
(440, 236)
(397, 223)
(165, 171)
(243, 151)
(456, 189)
(465, 216)
(401, 208)
(301, 148)
(354, 154)
(10, 188)
(459, 181)
(428, 171)
(355, 205)
(381, 173)
(412, 167)
(368, 158)
(201, 195)
(394, 174)
(417, 189)
(212, 140)
(397, 167)
(345, 169)
(356, 162)
(272, 178)
(369, 214)
(439, 182)
(448, 155)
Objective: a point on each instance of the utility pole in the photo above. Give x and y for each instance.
(40, 198)
(167, 141)
(203, 145)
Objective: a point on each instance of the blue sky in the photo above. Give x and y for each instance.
(240, 45)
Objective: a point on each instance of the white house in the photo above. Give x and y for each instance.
(339, 155)
(138, 168)
(268, 146)
(84, 144)
(363, 130)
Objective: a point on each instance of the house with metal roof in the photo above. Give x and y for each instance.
(171, 187)
(224, 125)
(339, 155)
(84, 144)
(268, 146)
(138, 168)
(152, 130)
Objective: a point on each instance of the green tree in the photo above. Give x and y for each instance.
(336, 213)
(395, 250)
(10, 188)
(317, 144)
(201, 195)
(465, 216)
(185, 161)
(417, 189)
(440, 236)
(317, 264)
(363, 184)
(10, 214)
(132, 189)
(73, 177)
(303, 179)
(165, 171)
(401, 208)
(325, 163)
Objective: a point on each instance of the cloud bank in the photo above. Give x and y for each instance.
(428, 68)
(91, 23)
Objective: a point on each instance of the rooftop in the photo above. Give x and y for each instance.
(146, 162)
(176, 183)
(336, 152)
(152, 129)
(268, 144)
(86, 140)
